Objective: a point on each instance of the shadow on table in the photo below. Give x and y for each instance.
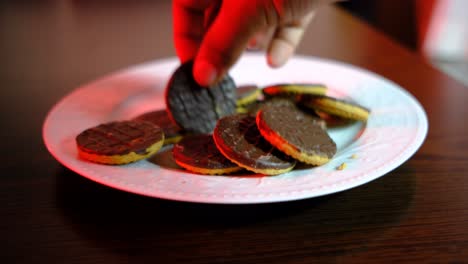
(143, 227)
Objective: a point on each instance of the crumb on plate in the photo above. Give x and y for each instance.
(342, 166)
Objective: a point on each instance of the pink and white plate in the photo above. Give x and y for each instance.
(395, 130)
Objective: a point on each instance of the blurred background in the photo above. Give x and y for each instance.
(438, 29)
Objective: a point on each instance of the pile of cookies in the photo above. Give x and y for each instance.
(223, 129)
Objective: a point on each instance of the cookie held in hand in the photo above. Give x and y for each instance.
(194, 108)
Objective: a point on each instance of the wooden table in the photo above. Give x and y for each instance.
(417, 213)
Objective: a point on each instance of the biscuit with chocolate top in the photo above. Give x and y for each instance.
(119, 142)
(238, 139)
(282, 101)
(247, 94)
(198, 153)
(293, 89)
(296, 134)
(195, 108)
(334, 106)
(254, 107)
(172, 132)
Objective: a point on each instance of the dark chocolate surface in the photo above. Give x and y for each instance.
(194, 108)
(255, 107)
(239, 137)
(161, 118)
(200, 151)
(303, 132)
(119, 138)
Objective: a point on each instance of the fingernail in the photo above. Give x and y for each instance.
(279, 53)
(253, 44)
(204, 73)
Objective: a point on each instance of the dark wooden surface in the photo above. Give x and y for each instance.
(417, 213)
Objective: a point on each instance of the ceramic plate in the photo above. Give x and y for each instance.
(395, 130)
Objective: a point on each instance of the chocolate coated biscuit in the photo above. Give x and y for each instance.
(198, 153)
(255, 107)
(194, 108)
(172, 132)
(247, 94)
(292, 89)
(335, 106)
(119, 142)
(296, 134)
(238, 139)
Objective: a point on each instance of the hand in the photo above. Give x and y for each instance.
(214, 33)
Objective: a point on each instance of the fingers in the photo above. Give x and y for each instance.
(295, 17)
(261, 39)
(224, 42)
(189, 26)
(286, 40)
(214, 32)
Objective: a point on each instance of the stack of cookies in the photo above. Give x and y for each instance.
(224, 129)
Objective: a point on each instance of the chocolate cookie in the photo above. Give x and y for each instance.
(292, 89)
(119, 142)
(296, 134)
(254, 107)
(172, 132)
(194, 108)
(247, 94)
(238, 139)
(335, 106)
(198, 153)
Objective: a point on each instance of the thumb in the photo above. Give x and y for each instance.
(224, 42)
(286, 39)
